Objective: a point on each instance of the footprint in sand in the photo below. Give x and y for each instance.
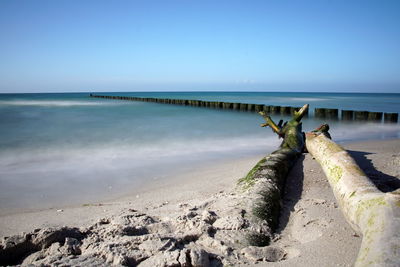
(306, 229)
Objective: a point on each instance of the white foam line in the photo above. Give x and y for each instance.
(53, 103)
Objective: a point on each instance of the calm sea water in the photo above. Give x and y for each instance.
(64, 149)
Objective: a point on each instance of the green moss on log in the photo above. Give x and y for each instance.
(268, 207)
(271, 173)
(336, 173)
(249, 180)
(257, 239)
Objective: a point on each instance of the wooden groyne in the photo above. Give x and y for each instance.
(349, 115)
(208, 104)
(321, 113)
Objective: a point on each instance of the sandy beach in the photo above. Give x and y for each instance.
(191, 220)
(200, 133)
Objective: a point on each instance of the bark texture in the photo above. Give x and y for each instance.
(374, 214)
(265, 182)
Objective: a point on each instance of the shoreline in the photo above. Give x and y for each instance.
(312, 228)
(154, 178)
(225, 172)
(169, 180)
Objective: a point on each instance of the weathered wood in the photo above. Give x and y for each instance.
(391, 117)
(286, 110)
(361, 115)
(227, 105)
(266, 180)
(250, 107)
(319, 113)
(374, 214)
(375, 116)
(347, 115)
(331, 113)
(258, 108)
(243, 106)
(274, 109)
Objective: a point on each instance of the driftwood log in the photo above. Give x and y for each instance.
(265, 182)
(374, 214)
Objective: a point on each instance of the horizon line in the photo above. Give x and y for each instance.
(197, 91)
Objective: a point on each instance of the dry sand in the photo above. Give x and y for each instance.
(312, 230)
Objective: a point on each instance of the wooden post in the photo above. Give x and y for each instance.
(243, 106)
(250, 107)
(361, 115)
(319, 113)
(275, 109)
(227, 105)
(347, 115)
(391, 117)
(375, 116)
(331, 113)
(285, 110)
(258, 108)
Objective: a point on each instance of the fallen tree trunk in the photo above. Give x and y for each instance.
(265, 182)
(374, 214)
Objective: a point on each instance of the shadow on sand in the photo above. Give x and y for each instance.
(294, 186)
(292, 192)
(384, 182)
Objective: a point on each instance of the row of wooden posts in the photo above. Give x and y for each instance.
(327, 113)
(322, 113)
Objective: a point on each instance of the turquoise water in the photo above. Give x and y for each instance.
(62, 149)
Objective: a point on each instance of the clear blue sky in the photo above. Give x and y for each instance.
(199, 45)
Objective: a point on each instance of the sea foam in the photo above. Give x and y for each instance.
(57, 103)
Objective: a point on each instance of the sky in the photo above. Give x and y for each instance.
(325, 45)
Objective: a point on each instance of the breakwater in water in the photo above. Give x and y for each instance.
(322, 113)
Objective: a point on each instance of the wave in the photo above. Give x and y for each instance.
(133, 155)
(54, 176)
(55, 103)
(65, 174)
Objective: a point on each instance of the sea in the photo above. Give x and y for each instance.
(63, 149)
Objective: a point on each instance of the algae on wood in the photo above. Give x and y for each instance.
(374, 214)
(265, 182)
